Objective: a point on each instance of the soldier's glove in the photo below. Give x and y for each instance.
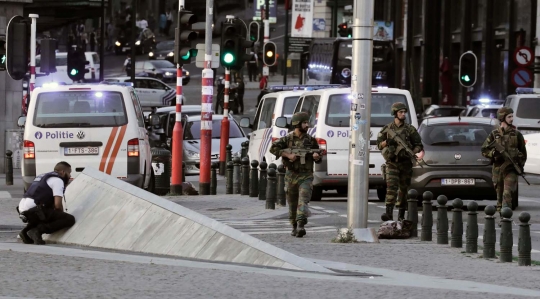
(391, 142)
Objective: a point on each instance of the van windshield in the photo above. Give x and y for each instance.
(289, 104)
(339, 109)
(68, 109)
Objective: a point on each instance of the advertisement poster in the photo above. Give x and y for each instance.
(259, 10)
(302, 18)
(383, 31)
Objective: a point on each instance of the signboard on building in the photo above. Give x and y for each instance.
(383, 31)
(302, 18)
(299, 44)
(259, 10)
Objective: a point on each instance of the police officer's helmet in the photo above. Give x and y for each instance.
(503, 112)
(398, 106)
(298, 118)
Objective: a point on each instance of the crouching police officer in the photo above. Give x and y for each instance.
(299, 177)
(42, 207)
(398, 164)
(504, 173)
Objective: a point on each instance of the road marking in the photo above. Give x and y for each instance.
(5, 194)
(269, 226)
(316, 207)
(330, 211)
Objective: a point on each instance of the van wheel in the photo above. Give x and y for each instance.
(316, 194)
(381, 193)
(515, 201)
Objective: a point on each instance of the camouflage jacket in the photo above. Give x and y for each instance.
(513, 142)
(292, 141)
(408, 133)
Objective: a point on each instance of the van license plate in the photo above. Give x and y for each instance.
(91, 150)
(468, 182)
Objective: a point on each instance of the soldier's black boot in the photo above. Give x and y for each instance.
(301, 230)
(389, 215)
(294, 231)
(24, 237)
(401, 214)
(35, 234)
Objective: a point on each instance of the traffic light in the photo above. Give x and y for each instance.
(18, 38)
(254, 31)
(344, 30)
(269, 54)
(243, 44)
(229, 45)
(2, 52)
(467, 69)
(77, 62)
(184, 35)
(47, 63)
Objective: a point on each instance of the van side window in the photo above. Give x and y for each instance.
(508, 102)
(311, 105)
(138, 110)
(267, 112)
(299, 105)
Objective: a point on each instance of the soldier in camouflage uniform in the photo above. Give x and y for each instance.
(504, 174)
(299, 177)
(398, 165)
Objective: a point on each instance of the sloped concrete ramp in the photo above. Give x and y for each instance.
(113, 214)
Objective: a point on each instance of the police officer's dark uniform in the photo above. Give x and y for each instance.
(46, 217)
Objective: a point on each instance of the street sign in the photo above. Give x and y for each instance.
(523, 56)
(521, 77)
(299, 44)
(200, 56)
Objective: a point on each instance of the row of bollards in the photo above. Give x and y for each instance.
(471, 237)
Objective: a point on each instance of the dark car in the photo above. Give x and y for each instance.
(160, 69)
(163, 51)
(145, 41)
(441, 111)
(454, 165)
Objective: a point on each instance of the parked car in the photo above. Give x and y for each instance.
(481, 111)
(441, 111)
(163, 50)
(160, 69)
(454, 165)
(152, 92)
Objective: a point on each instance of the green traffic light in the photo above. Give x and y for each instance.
(466, 78)
(228, 58)
(3, 59)
(73, 72)
(252, 38)
(186, 56)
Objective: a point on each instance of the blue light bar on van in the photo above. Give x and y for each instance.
(527, 90)
(304, 87)
(486, 101)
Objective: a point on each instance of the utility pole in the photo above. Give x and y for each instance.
(133, 38)
(357, 201)
(266, 22)
(33, 26)
(206, 103)
(286, 50)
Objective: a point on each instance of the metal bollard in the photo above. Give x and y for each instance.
(427, 217)
(490, 236)
(273, 166)
(524, 241)
(213, 178)
(442, 220)
(457, 224)
(9, 167)
(262, 180)
(236, 176)
(280, 193)
(507, 241)
(245, 176)
(471, 238)
(413, 211)
(254, 178)
(229, 183)
(244, 151)
(228, 153)
(271, 190)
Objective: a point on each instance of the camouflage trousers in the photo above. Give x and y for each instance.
(398, 179)
(505, 187)
(298, 188)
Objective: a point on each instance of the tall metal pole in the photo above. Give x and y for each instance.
(225, 125)
(102, 43)
(178, 131)
(537, 50)
(133, 38)
(266, 23)
(206, 102)
(357, 202)
(32, 82)
(286, 50)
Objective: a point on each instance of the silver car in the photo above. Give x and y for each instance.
(454, 165)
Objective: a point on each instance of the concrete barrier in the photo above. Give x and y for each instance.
(115, 215)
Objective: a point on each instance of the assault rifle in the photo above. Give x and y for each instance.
(500, 148)
(402, 145)
(300, 152)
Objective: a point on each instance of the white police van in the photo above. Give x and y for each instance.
(526, 106)
(281, 101)
(98, 126)
(329, 111)
(532, 143)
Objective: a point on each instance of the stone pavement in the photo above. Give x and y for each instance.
(398, 268)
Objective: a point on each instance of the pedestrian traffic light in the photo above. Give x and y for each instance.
(342, 29)
(467, 69)
(269, 54)
(184, 35)
(254, 31)
(229, 45)
(76, 64)
(2, 52)
(17, 39)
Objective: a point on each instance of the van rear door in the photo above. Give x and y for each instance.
(336, 133)
(261, 136)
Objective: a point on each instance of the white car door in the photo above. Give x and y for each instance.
(143, 92)
(162, 94)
